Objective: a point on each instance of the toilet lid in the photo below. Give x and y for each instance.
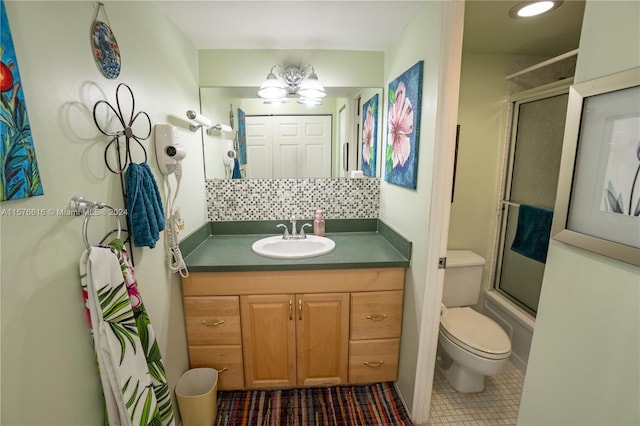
(475, 331)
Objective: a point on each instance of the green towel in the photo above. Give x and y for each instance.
(532, 232)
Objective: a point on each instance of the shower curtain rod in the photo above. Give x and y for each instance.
(543, 64)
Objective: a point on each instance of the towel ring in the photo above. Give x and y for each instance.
(80, 206)
(87, 216)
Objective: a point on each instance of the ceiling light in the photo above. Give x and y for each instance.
(527, 9)
(302, 81)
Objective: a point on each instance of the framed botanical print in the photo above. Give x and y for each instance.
(598, 201)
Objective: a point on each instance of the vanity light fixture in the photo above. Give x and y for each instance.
(206, 123)
(200, 119)
(301, 81)
(528, 9)
(219, 128)
(276, 101)
(309, 101)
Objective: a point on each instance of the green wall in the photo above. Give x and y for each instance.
(584, 366)
(482, 116)
(249, 68)
(406, 210)
(48, 367)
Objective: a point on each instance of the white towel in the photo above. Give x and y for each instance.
(126, 382)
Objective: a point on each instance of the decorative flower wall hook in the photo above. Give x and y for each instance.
(125, 129)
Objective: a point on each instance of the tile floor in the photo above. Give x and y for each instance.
(497, 405)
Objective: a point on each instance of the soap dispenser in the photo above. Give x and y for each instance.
(318, 224)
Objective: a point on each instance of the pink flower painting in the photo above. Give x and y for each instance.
(405, 95)
(370, 136)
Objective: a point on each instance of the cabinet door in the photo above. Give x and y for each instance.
(268, 340)
(322, 335)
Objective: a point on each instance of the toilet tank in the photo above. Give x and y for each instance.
(462, 278)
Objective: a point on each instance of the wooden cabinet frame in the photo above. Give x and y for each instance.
(298, 328)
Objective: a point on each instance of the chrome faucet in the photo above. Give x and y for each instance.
(285, 236)
(294, 235)
(294, 232)
(302, 234)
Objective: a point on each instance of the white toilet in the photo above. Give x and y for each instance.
(470, 345)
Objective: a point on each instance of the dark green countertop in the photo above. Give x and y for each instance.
(379, 247)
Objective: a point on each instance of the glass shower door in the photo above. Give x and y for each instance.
(532, 179)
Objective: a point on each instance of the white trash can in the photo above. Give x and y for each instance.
(196, 392)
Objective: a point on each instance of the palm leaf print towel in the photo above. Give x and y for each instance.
(131, 371)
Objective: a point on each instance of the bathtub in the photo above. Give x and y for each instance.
(518, 324)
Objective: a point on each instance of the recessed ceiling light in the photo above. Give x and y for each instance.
(533, 8)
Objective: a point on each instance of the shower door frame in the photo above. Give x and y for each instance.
(547, 91)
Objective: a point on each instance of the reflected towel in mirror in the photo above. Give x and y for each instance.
(236, 169)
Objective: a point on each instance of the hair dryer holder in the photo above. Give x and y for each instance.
(169, 151)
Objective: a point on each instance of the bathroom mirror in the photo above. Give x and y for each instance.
(342, 115)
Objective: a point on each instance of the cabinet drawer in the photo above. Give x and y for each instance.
(212, 320)
(226, 359)
(376, 315)
(373, 360)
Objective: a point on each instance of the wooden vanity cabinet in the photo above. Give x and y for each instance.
(295, 328)
(295, 340)
(376, 325)
(214, 337)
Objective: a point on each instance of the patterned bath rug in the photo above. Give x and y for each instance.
(365, 405)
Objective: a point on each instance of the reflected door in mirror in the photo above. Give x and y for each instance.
(288, 146)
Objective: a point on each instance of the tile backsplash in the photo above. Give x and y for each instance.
(275, 199)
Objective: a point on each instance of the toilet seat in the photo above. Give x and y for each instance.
(475, 332)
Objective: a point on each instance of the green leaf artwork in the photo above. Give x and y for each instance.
(19, 174)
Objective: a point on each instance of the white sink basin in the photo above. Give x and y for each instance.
(278, 248)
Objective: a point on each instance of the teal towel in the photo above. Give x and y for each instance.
(144, 205)
(532, 232)
(236, 170)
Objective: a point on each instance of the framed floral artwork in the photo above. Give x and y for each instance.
(19, 174)
(370, 136)
(598, 201)
(403, 127)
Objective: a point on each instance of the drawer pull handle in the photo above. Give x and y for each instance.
(300, 309)
(290, 310)
(376, 317)
(373, 363)
(222, 370)
(215, 324)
